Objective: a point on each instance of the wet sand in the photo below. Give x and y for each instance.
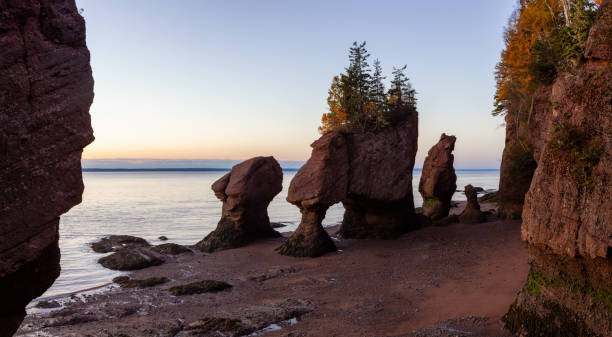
(437, 281)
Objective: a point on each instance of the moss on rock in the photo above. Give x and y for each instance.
(126, 282)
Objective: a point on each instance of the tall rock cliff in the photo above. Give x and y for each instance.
(567, 216)
(46, 88)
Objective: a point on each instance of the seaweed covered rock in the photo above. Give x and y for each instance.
(113, 243)
(127, 282)
(130, 259)
(472, 212)
(567, 217)
(438, 179)
(46, 89)
(199, 287)
(246, 192)
(170, 249)
(320, 183)
(379, 201)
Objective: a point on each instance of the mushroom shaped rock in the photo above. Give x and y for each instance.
(471, 213)
(379, 201)
(320, 183)
(438, 179)
(246, 192)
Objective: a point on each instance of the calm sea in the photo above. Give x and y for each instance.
(179, 205)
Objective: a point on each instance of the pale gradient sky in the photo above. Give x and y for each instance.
(235, 79)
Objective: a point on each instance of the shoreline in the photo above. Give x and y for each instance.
(459, 277)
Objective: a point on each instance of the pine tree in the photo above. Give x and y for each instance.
(378, 96)
(402, 98)
(356, 85)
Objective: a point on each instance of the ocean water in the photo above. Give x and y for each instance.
(179, 205)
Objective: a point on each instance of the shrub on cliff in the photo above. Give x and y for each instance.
(358, 100)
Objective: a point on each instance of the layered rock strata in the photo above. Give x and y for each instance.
(246, 192)
(438, 179)
(567, 217)
(46, 89)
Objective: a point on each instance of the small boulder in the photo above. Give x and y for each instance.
(170, 249)
(438, 179)
(114, 243)
(47, 305)
(246, 192)
(130, 259)
(472, 212)
(126, 282)
(200, 287)
(163, 238)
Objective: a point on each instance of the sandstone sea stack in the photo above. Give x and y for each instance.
(438, 180)
(472, 212)
(369, 172)
(567, 217)
(46, 88)
(246, 192)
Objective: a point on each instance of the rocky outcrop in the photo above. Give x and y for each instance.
(567, 217)
(320, 183)
(113, 243)
(246, 192)
(438, 180)
(46, 88)
(472, 212)
(370, 173)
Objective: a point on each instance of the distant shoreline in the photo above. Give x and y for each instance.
(207, 169)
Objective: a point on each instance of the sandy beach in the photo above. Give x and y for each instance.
(438, 281)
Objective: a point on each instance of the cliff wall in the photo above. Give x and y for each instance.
(46, 88)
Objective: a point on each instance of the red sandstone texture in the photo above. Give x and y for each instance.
(567, 216)
(379, 200)
(46, 88)
(438, 179)
(246, 192)
(320, 183)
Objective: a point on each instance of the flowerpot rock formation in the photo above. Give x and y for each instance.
(438, 179)
(46, 89)
(246, 192)
(369, 172)
(567, 216)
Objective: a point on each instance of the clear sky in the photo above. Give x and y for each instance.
(234, 79)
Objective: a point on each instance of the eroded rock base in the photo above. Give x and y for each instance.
(230, 235)
(310, 239)
(364, 220)
(563, 297)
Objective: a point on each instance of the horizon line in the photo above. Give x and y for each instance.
(213, 169)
